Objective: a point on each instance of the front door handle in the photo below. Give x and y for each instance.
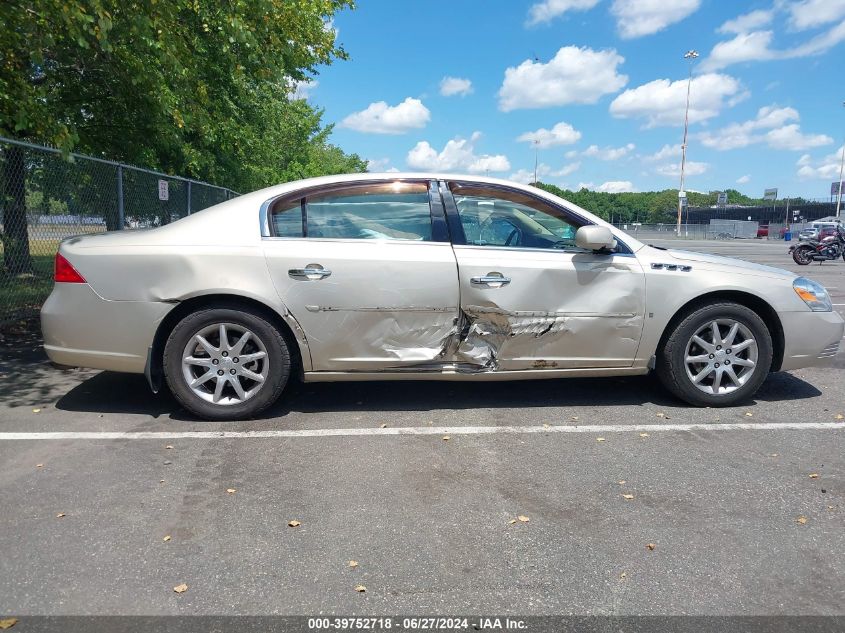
(312, 272)
(492, 280)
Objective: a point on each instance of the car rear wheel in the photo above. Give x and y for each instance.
(226, 364)
(717, 356)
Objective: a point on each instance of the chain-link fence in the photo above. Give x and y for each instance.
(47, 196)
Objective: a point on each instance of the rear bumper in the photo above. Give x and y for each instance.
(82, 329)
(810, 338)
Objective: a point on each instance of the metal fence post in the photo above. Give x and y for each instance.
(189, 197)
(120, 218)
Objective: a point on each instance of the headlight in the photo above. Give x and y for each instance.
(813, 294)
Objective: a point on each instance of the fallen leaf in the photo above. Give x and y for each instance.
(600, 439)
(774, 454)
(575, 418)
(643, 434)
(231, 491)
(36, 410)
(661, 415)
(353, 564)
(522, 518)
(8, 623)
(650, 546)
(621, 482)
(545, 426)
(748, 414)
(166, 538)
(512, 521)
(446, 438)
(622, 575)
(180, 588)
(161, 481)
(360, 588)
(60, 515)
(294, 523)
(830, 507)
(169, 446)
(839, 416)
(802, 520)
(384, 426)
(814, 476)
(629, 497)
(39, 465)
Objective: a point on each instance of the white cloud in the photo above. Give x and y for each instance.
(826, 168)
(808, 14)
(664, 153)
(302, 89)
(379, 165)
(380, 118)
(662, 102)
(561, 134)
(573, 75)
(743, 180)
(543, 171)
(635, 18)
(611, 186)
(616, 186)
(773, 125)
(450, 86)
(550, 9)
(755, 46)
(745, 47)
(609, 153)
(747, 22)
(457, 155)
(790, 137)
(691, 168)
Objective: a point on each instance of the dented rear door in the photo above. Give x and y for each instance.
(541, 304)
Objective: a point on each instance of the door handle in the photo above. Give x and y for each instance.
(312, 272)
(494, 280)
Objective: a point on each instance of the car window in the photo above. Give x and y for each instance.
(494, 217)
(287, 219)
(379, 211)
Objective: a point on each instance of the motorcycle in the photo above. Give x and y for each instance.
(829, 248)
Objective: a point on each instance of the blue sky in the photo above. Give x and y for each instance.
(598, 87)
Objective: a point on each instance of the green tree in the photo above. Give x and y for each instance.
(200, 88)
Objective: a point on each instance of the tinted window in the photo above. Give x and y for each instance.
(492, 217)
(287, 219)
(381, 211)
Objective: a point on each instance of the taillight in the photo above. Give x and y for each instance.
(65, 273)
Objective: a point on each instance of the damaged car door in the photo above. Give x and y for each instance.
(367, 271)
(530, 298)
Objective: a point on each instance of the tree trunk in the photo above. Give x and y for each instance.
(16, 257)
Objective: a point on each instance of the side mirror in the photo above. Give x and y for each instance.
(595, 238)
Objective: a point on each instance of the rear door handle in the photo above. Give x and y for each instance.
(312, 272)
(494, 280)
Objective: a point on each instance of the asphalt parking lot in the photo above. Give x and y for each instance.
(635, 503)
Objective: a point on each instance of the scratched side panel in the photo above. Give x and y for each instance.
(560, 310)
(386, 304)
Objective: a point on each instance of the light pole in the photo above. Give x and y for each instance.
(841, 167)
(690, 56)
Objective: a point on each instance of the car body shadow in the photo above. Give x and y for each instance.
(109, 392)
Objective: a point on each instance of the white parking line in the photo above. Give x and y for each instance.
(422, 430)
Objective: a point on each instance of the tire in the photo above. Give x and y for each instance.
(248, 387)
(686, 369)
(802, 255)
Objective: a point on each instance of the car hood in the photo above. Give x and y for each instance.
(717, 262)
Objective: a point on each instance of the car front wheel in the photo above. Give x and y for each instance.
(716, 356)
(226, 364)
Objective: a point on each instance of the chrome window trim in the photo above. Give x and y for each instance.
(520, 249)
(348, 240)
